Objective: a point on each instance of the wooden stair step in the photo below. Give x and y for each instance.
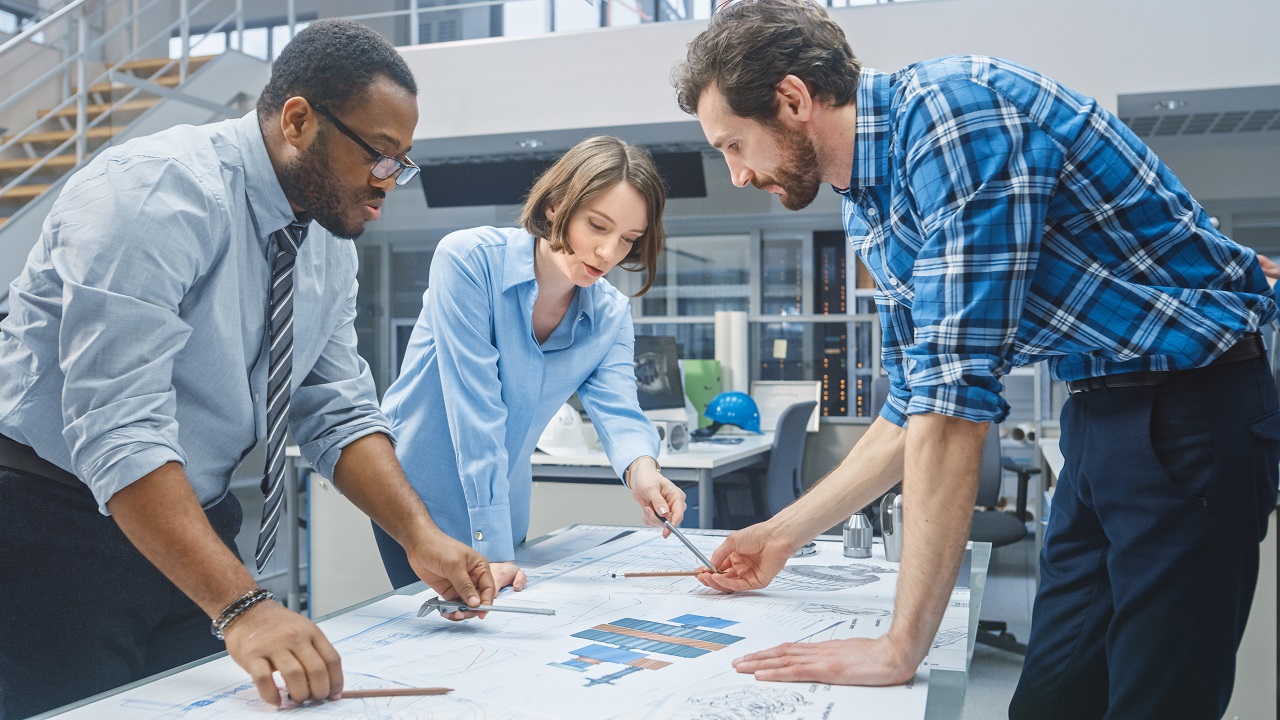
(57, 162)
(99, 108)
(23, 193)
(146, 66)
(55, 136)
(119, 87)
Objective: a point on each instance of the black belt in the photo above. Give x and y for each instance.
(18, 456)
(1248, 348)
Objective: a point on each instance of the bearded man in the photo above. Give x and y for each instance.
(1009, 220)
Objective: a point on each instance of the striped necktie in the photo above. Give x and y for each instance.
(279, 378)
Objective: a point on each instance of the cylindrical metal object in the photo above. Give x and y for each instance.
(857, 536)
(891, 526)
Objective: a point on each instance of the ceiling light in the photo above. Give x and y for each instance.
(530, 143)
(1170, 104)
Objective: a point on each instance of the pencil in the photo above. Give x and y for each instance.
(685, 573)
(394, 692)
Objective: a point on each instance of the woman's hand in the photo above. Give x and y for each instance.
(655, 494)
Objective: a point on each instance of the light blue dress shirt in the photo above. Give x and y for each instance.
(137, 329)
(476, 389)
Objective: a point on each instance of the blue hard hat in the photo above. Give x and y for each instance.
(734, 408)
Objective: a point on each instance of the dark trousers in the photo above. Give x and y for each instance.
(81, 610)
(1151, 554)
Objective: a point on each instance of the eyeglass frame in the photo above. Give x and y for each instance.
(403, 171)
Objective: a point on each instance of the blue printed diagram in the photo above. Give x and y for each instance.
(630, 643)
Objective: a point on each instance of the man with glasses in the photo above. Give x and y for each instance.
(192, 294)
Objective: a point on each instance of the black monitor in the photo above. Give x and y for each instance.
(658, 382)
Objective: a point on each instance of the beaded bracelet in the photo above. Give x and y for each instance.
(238, 608)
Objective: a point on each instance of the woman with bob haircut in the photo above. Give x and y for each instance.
(514, 321)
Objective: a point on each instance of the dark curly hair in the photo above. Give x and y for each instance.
(752, 44)
(332, 62)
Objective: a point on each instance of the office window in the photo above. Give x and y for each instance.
(810, 305)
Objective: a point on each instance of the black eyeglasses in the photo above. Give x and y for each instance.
(385, 166)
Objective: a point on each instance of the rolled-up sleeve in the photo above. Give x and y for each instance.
(461, 314)
(609, 397)
(895, 336)
(336, 404)
(128, 247)
(979, 176)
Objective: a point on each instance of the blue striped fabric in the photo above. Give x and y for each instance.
(1009, 220)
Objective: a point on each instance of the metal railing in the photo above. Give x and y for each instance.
(74, 20)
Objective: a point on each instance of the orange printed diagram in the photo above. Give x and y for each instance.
(631, 643)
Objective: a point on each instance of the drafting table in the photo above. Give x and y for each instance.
(214, 680)
(701, 463)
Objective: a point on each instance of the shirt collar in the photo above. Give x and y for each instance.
(517, 268)
(267, 202)
(871, 144)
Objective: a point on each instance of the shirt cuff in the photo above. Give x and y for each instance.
(895, 411)
(491, 532)
(322, 454)
(123, 465)
(967, 402)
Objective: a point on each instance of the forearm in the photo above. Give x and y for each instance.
(161, 516)
(872, 467)
(939, 487)
(370, 476)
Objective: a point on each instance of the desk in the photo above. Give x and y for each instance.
(701, 463)
(214, 687)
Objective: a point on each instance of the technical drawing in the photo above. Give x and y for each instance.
(950, 637)
(821, 609)
(629, 640)
(614, 650)
(744, 703)
(828, 578)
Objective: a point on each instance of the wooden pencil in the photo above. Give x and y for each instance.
(394, 692)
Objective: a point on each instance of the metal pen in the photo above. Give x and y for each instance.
(680, 536)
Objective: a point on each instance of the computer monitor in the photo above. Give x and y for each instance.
(658, 384)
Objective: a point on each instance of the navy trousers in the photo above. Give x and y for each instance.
(1151, 553)
(81, 610)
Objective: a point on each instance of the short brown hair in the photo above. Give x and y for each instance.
(587, 171)
(751, 45)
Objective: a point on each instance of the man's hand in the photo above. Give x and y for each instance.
(1269, 268)
(749, 559)
(856, 661)
(507, 573)
(269, 638)
(655, 494)
(453, 570)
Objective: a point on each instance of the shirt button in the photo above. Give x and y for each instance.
(871, 211)
(479, 535)
(893, 281)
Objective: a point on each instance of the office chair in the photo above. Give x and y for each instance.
(998, 527)
(781, 483)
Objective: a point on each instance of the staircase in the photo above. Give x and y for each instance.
(45, 153)
(90, 83)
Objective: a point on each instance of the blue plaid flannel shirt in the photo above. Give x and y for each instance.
(1009, 220)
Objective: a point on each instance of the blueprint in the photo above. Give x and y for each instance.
(616, 648)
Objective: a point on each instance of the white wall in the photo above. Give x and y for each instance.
(620, 76)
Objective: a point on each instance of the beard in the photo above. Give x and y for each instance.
(797, 175)
(310, 181)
